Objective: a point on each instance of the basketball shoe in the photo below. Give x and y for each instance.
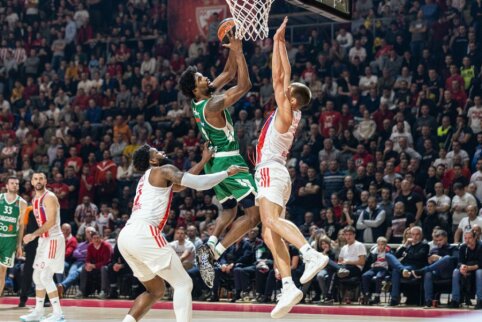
(314, 262)
(290, 296)
(33, 316)
(205, 262)
(55, 317)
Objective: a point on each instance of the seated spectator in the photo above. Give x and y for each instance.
(78, 261)
(468, 271)
(183, 248)
(227, 262)
(411, 255)
(98, 255)
(273, 278)
(378, 270)
(325, 277)
(112, 273)
(192, 236)
(245, 270)
(442, 260)
(352, 256)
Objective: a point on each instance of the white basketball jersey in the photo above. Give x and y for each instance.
(272, 145)
(41, 216)
(151, 204)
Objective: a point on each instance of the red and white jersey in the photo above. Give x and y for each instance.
(41, 215)
(151, 204)
(272, 145)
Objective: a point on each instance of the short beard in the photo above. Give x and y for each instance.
(211, 89)
(43, 187)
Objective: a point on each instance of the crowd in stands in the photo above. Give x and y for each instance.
(388, 152)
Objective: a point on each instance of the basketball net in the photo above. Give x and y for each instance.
(251, 18)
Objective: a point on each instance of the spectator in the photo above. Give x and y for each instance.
(378, 270)
(183, 248)
(99, 255)
(460, 202)
(76, 266)
(112, 274)
(442, 260)
(468, 270)
(411, 255)
(467, 223)
(372, 222)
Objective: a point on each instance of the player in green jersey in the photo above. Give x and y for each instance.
(216, 127)
(12, 208)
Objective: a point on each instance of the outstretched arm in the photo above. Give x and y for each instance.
(197, 182)
(220, 102)
(198, 167)
(282, 73)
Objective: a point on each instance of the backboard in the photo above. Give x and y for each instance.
(337, 10)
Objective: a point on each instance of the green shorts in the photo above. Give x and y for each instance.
(238, 186)
(8, 248)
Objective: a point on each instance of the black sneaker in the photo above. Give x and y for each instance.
(478, 306)
(393, 302)
(113, 295)
(454, 305)
(374, 301)
(205, 262)
(428, 304)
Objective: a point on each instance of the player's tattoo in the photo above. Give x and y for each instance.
(171, 173)
(216, 104)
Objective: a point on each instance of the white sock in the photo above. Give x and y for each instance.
(39, 304)
(56, 305)
(129, 318)
(285, 281)
(219, 250)
(213, 240)
(305, 249)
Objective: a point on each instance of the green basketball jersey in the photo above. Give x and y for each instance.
(222, 139)
(9, 216)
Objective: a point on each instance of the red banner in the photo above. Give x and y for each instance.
(190, 18)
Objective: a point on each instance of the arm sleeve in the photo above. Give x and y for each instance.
(203, 182)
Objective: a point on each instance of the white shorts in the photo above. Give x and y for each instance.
(50, 254)
(144, 249)
(274, 183)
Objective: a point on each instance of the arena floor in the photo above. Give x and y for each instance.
(98, 310)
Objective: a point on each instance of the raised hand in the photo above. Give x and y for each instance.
(280, 32)
(235, 169)
(234, 44)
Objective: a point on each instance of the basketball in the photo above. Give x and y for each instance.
(224, 27)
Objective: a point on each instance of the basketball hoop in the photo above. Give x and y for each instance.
(251, 18)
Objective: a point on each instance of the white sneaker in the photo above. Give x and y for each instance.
(314, 262)
(290, 296)
(54, 317)
(33, 316)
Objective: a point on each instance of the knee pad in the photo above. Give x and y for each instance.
(229, 204)
(47, 279)
(248, 201)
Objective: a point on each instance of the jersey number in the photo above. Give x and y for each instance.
(7, 210)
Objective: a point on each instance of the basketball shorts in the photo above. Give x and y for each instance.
(144, 249)
(50, 254)
(274, 183)
(8, 248)
(238, 186)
